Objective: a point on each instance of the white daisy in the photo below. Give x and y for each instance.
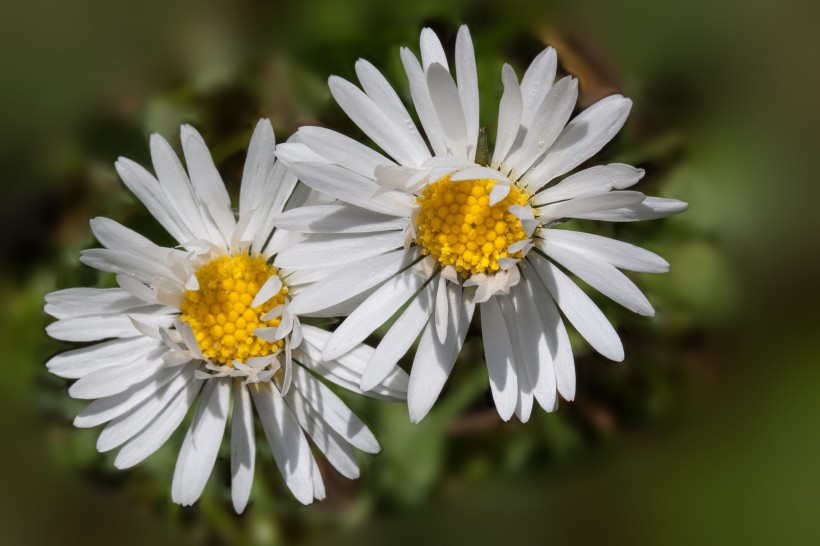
(433, 234)
(189, 325)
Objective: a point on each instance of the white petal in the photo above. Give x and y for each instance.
(334, 412)
(575, 208)
(546, 125)
(398, 339)
(450, 112)
(650, 208)
(434, 360)
(110, 354)
(127, 425)
(509, 116)
(336, 219)
(467, 79)
(338, 452)
(342, 150)
(98, 327)
(537, 82)
(380, 91)
(431, 49)
(258, 165)
(208, 185)
(375, 123)
(353, 188)
(268, 290)
(286, 440)
(420, 93)
(159, 430)
(595, 180)
(535, 351)
(582, 138)
(499, 355)
(243, 448)
(78, 302)
(331, 250)
(619, 254)
(110, 381)
(147, 189)
(201, 445)
(349, 282)
(178, 190)
(601, 276)
(105, 409)
(372, 313)
(579, 309)
(441, 310)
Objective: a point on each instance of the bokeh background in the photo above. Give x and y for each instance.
(708, 432)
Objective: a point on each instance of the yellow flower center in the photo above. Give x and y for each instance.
(458, 227)
(220, 312)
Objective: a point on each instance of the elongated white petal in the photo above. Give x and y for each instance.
(78, 302)
(199, 449)
(110, 381)
(147, 189)
(352, 188)
(287, 442)
(547, 124)
(342, 150)
(331, 250)
(268, 290)
(575, 208)
(467, 80)
(333, 411)
(533, 339)
(557, 339)
(385, 131)
(98, 327)
(398, 339)
(107, 408)
(650, 208)
(127, 425)
(595, 180)
(243, 447)
(447, 104)
(434, 360)
(208, 185)
(349, 282)
(80, 362)
(421, 99)
(159, 430)
(372, 313)
(582, 138)
(579, 309)
(499, 354)
(431, 49)
(537, 82)
(336, 219)
(380, 91)
(338, 452)
(258, 165)
(178, 190)
(619, 254)
(509, 116)
(601, 276)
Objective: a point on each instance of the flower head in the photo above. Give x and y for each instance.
(433, 233)
(208, 320)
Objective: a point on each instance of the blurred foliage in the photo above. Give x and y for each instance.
(706, 432)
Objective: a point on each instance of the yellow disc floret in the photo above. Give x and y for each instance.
(220, 312)
(457, 226)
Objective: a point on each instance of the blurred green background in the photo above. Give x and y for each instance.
(708, 431)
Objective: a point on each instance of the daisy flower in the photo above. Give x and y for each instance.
(206, 323)
(434, 230)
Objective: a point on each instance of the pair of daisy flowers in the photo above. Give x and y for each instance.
(328, 227)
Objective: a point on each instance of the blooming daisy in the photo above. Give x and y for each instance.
(193, 324)
(432, 231)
